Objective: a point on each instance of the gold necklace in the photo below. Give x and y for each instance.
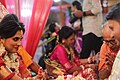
(10, 59)
(70, 53)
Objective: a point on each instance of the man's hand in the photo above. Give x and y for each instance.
(78, 13)
(110, 59)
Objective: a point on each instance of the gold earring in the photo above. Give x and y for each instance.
(2, 41)
(63, 41)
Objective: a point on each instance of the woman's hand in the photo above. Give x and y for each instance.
(95, 59)
(92, 66)
(41, 74)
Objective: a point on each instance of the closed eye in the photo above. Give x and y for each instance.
(111, 27)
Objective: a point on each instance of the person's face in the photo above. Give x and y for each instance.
(57, 29)
(108, 39)
(70, 41)
(113, 44)
(115, 29)
(11, 44)
(73, 8)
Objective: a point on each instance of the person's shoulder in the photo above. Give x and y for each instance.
(59, 46)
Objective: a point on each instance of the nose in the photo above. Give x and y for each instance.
(111, 35)
(19, 43)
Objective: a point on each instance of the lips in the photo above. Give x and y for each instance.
(16, 47)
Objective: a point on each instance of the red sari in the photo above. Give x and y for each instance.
(64, 59)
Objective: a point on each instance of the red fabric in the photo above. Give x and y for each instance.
(39, 17)
(21, 8)
(11, 6)
(59, 54)
(34, 14)
(1, 62)
(103, 51)
(26, 8)
(9, 76)
(3, 2)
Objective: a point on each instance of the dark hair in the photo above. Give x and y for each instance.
(114, 13)
(77, 4)
(52, 27)
(65, 33)
(74, 18)
(10, 25)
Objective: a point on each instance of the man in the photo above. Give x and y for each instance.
(92, 30)
(108, 50)
(113, 21)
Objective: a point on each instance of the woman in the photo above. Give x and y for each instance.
(11, 63)
(77, 25)
(53, 29)
(63, 61)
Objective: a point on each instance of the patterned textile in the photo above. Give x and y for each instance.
(115, 74)
(61, 60)
(27, 59)
(14, 62)
(78, 43)
(104, 50)
(3, 11)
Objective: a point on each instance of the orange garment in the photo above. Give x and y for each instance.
(27, 59)
(103, 51)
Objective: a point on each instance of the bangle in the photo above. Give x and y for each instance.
(82, 67)
(89, 60)
(9, 76)
(1, 62)
(84, 14)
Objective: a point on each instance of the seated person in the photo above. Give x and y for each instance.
(12, 64)
(54, 29)
(63, 61)
(109, 50)
(27, 60)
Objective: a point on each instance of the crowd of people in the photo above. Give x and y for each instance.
(68, 52)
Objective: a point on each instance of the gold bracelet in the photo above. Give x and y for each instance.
(82, 67)
(89, 60)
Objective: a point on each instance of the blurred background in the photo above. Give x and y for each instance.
(60, 10)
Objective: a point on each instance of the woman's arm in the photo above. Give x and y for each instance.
(89, 60)
(34, 67)
(75, 68)
(84, 61)
(16, 77)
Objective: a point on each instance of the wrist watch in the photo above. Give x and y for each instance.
(84, 13)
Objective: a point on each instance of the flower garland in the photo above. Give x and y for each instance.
(3, 11)
(70, 77)
(10, 59)
(70, 52)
